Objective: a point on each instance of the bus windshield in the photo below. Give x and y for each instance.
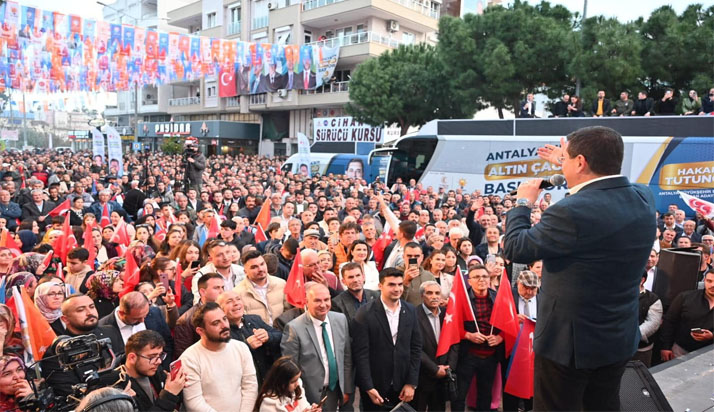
(411, 158)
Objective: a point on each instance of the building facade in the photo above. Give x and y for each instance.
(362, 28)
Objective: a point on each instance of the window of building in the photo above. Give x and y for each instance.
(283, 35)
(308, 36)
(235, 14)
(407, 38)
(211, 20)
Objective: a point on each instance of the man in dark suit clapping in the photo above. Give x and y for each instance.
(386, 346)
(594, 245)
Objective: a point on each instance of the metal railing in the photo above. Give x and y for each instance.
(184, 101)
(358, 38)
(233, 102)
(259, 22)
(336, 87)
(233, 28)
(416, 5)
(258, 98)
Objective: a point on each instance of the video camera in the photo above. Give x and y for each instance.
(90, 358)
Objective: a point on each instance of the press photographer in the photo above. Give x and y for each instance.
(194, 163)
(80, 317)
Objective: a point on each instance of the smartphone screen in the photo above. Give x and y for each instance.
(413, 262)
(194, 264)
(175, 367)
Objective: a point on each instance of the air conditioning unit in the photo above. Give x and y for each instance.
(272, 6)
(282, 93)
(392, 25)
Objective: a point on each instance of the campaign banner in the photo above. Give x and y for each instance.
(8, 134)
(345, 129)
(116, 164)
(98, 152)
(50, 52)
(303, 155)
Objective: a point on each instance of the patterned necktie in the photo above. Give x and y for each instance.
(331, 361)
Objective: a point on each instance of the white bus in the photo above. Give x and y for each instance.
(669, 154)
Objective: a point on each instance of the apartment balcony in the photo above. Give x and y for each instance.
(233, 101)
(415, 14)
(259, 23)
(331, 95)
(233, 28)
(357, 47)
(181, 105)
(186, 16)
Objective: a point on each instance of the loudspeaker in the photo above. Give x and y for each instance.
(639, 390)
(677, 271)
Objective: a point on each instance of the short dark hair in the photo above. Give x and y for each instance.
(229, 224)
(140, 340)
(292, 245)
(350, 266)
(390, 272)
(200, 313)
(250, 255)
(408, 228)
(78, 253)
(601, 146)
(203, 280)
(412, 245)
(271, 262)
(349, 225)
(272, 227)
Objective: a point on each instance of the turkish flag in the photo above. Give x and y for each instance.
(6, 240)
(263, 218)
(61, 209)
(698, 205)
(63, 244)
(177, 283)
(504, 314)
(105, 221)
(295, 286)
(384, 240)
(131, 274)
(121, 236)
(519, 381)
(227, 82)
(88, 243)
(260, 235)
(458, 311)
(213, 230)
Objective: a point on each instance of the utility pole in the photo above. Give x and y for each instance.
(582, 21)
(24, 120)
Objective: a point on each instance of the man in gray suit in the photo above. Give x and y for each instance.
(319, 341)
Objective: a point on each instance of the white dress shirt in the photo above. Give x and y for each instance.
(127, 330)
(532, 307)
(317, 324)
(393, 319)
(649, 283)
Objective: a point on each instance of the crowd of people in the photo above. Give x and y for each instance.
(627, 105)
(207, 324)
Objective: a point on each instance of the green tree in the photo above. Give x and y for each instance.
(505, 52)
(608, 57)
(406, 86)
(172, 145)
(677, 50)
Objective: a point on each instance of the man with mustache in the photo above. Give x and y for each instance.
(220, 374)
(80, 318)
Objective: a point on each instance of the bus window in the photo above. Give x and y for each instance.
(411, 158)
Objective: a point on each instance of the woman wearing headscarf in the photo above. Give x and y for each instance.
(26, 279)
(48, 299)
(104, 287)
(28, 239)
(29, 262)
(10, 341)
(13, 385)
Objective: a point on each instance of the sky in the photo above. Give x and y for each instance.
(623, 10)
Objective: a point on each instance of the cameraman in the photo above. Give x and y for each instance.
(80, 317)
(13, 385)
(195, 163)
(154, 388)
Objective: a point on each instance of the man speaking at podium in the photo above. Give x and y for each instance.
(594, 245)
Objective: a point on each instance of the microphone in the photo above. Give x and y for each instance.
(555, 180)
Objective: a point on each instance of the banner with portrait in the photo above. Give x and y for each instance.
(49, 52)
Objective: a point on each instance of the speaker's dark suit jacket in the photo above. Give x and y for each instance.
(594, 245)
(380, 363)
(154, 321)
(345, 302)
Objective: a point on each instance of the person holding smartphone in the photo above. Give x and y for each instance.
(154, 389)
(282, 390)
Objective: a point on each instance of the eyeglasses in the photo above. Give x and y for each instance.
(160, 357)
(55, 294)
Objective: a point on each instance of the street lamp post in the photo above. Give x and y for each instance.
(136, 85)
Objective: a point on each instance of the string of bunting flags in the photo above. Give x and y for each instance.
(47, 52)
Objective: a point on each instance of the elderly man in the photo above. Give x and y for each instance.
(98, 207)
(9, 210)
(38, 208)
(262, 339)
(313, 272)
(319, 341)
